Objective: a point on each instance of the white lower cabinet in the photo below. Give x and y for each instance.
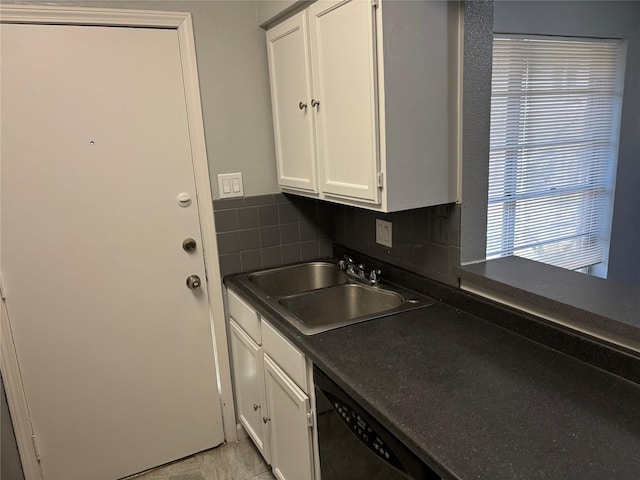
(248, 374)
(290, 420)
(272, 382)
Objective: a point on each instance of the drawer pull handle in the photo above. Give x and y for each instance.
(265, 420)
(315, 103)
(302, 105)
(255, 407)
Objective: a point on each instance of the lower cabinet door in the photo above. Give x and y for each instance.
(290, 431)
(248, 374)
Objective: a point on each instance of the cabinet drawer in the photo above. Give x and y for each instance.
(288, 357)
(245, 316)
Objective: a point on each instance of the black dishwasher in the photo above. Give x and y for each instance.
(355, 446)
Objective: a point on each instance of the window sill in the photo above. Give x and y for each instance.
(599, 308)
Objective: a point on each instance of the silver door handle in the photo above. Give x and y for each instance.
(189, 245)
(193, 282)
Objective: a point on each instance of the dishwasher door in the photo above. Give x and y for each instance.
(354, 446)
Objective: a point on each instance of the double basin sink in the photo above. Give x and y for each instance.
(318, 296)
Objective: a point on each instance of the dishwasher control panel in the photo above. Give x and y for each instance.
(364, 431)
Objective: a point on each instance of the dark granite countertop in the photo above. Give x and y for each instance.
(476, 401)
(606, 309)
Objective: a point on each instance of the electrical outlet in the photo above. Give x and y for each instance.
(384, 233)
(230, 185)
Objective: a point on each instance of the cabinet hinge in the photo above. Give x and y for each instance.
(310, 418)
(35, 447)
(374, 3)
(380, 179)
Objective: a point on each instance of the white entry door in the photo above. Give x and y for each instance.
(115, 351)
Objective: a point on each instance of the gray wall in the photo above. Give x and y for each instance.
(590, 19)
(476, 112)
(269, 11)
(234, 85)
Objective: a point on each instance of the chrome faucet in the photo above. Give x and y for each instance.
(359, 271)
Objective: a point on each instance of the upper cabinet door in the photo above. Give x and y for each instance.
(289, 68)
(342, 35)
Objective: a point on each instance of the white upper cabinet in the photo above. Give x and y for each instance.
(344, 78)
(290, 76)
(379, 129)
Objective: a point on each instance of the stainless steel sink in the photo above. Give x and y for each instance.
(317, 296)
(343, 303)
(295, 279)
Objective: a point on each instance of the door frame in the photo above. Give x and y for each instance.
(183, 24)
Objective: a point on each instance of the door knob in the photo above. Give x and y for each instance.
(265, 419)
(302, 105)
(189, 245)
(255, 407)
(193, 282)
(314, 102)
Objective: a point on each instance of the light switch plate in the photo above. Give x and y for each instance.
(384, 233)
(230, 185)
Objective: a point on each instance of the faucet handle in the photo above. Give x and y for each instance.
(348, 259)
(374, 276)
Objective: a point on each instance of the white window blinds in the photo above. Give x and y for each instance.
(555, 114)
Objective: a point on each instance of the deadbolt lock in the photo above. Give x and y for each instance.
(189, 245)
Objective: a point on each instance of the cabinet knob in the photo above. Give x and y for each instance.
(265, 419)
(302, 105)
(314, 102)
(255, 407)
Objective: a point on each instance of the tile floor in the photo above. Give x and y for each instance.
(233, 461)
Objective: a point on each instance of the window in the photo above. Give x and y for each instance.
(555, 114)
